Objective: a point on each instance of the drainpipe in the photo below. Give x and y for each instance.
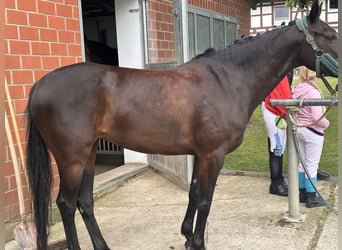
(185, 42)
(80, 14)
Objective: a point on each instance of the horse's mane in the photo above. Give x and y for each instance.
(239, 42)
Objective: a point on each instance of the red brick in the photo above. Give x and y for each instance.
(8, 168)
(39, 20)
(66, 36)
(12, 184)
(15, 210)
(8, 75)
(17, 91)
(38, 74)
(30, 62)
(11, 32)
(77, 37)
(48, 35)
(68, 60)
(11, 197)
(12, 62)
(74, 50)
(163, 8)
(40, 48)
(19, 47)
(59, 49)
(28, 87)
(64, 10)
(28, 33)
(72, 24)
(16, 17)
(10, 4)
(56, 22)
(21, 120)
(27, 5)
(75, 12)
(50, 62)
(160, 35)
(168, 18)
(20, 105)
(46, 7)
(78, 59)
(72, 2)
(22, 76)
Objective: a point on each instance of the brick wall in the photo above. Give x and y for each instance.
(40, 35)
(235, 8)
(161, 29)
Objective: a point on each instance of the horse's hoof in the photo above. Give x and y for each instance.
(189, 246)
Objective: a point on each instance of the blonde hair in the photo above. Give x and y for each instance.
(306, 75)
(309, 76)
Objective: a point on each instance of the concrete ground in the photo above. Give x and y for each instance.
(145, 212)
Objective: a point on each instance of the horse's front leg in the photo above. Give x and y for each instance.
(209, 168)
(188, 222)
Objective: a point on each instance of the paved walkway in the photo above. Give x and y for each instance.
(145, 213)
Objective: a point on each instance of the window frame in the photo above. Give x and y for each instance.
(281, 19)
(195, 11)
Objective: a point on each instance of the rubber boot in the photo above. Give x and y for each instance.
(312, 200)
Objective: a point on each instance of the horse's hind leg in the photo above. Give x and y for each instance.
(188, 222)
(85, 203)
(70, 181)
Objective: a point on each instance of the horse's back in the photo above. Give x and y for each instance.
(154, 111)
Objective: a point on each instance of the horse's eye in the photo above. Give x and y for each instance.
(332, 37)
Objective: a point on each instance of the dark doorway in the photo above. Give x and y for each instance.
(99, 29)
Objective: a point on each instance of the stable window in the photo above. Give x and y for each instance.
(281, 13)
(209, 29)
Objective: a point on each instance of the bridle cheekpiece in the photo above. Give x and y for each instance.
(321, 57)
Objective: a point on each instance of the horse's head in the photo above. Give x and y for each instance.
(319, 52)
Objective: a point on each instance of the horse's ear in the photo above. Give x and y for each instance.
(315, 11)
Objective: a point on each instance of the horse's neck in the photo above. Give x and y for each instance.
(276, 56)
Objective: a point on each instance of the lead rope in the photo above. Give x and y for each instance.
(293, 113)
(295, 139)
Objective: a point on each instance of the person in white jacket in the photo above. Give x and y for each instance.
(310, 138)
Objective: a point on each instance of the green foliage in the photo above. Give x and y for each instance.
(252, 155)
(300, 4)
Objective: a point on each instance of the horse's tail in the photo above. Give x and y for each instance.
(40, 178)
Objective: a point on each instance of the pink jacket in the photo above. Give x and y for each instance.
(309, 114)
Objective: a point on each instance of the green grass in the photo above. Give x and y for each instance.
(252, 155)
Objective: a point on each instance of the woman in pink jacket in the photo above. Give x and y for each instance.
(310, 138)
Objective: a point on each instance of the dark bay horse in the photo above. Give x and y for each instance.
(200, 108)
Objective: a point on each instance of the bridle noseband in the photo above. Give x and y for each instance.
(321, 57)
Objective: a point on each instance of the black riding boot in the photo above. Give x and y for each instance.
(278, 184)
(302, 195)
(312, 200)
